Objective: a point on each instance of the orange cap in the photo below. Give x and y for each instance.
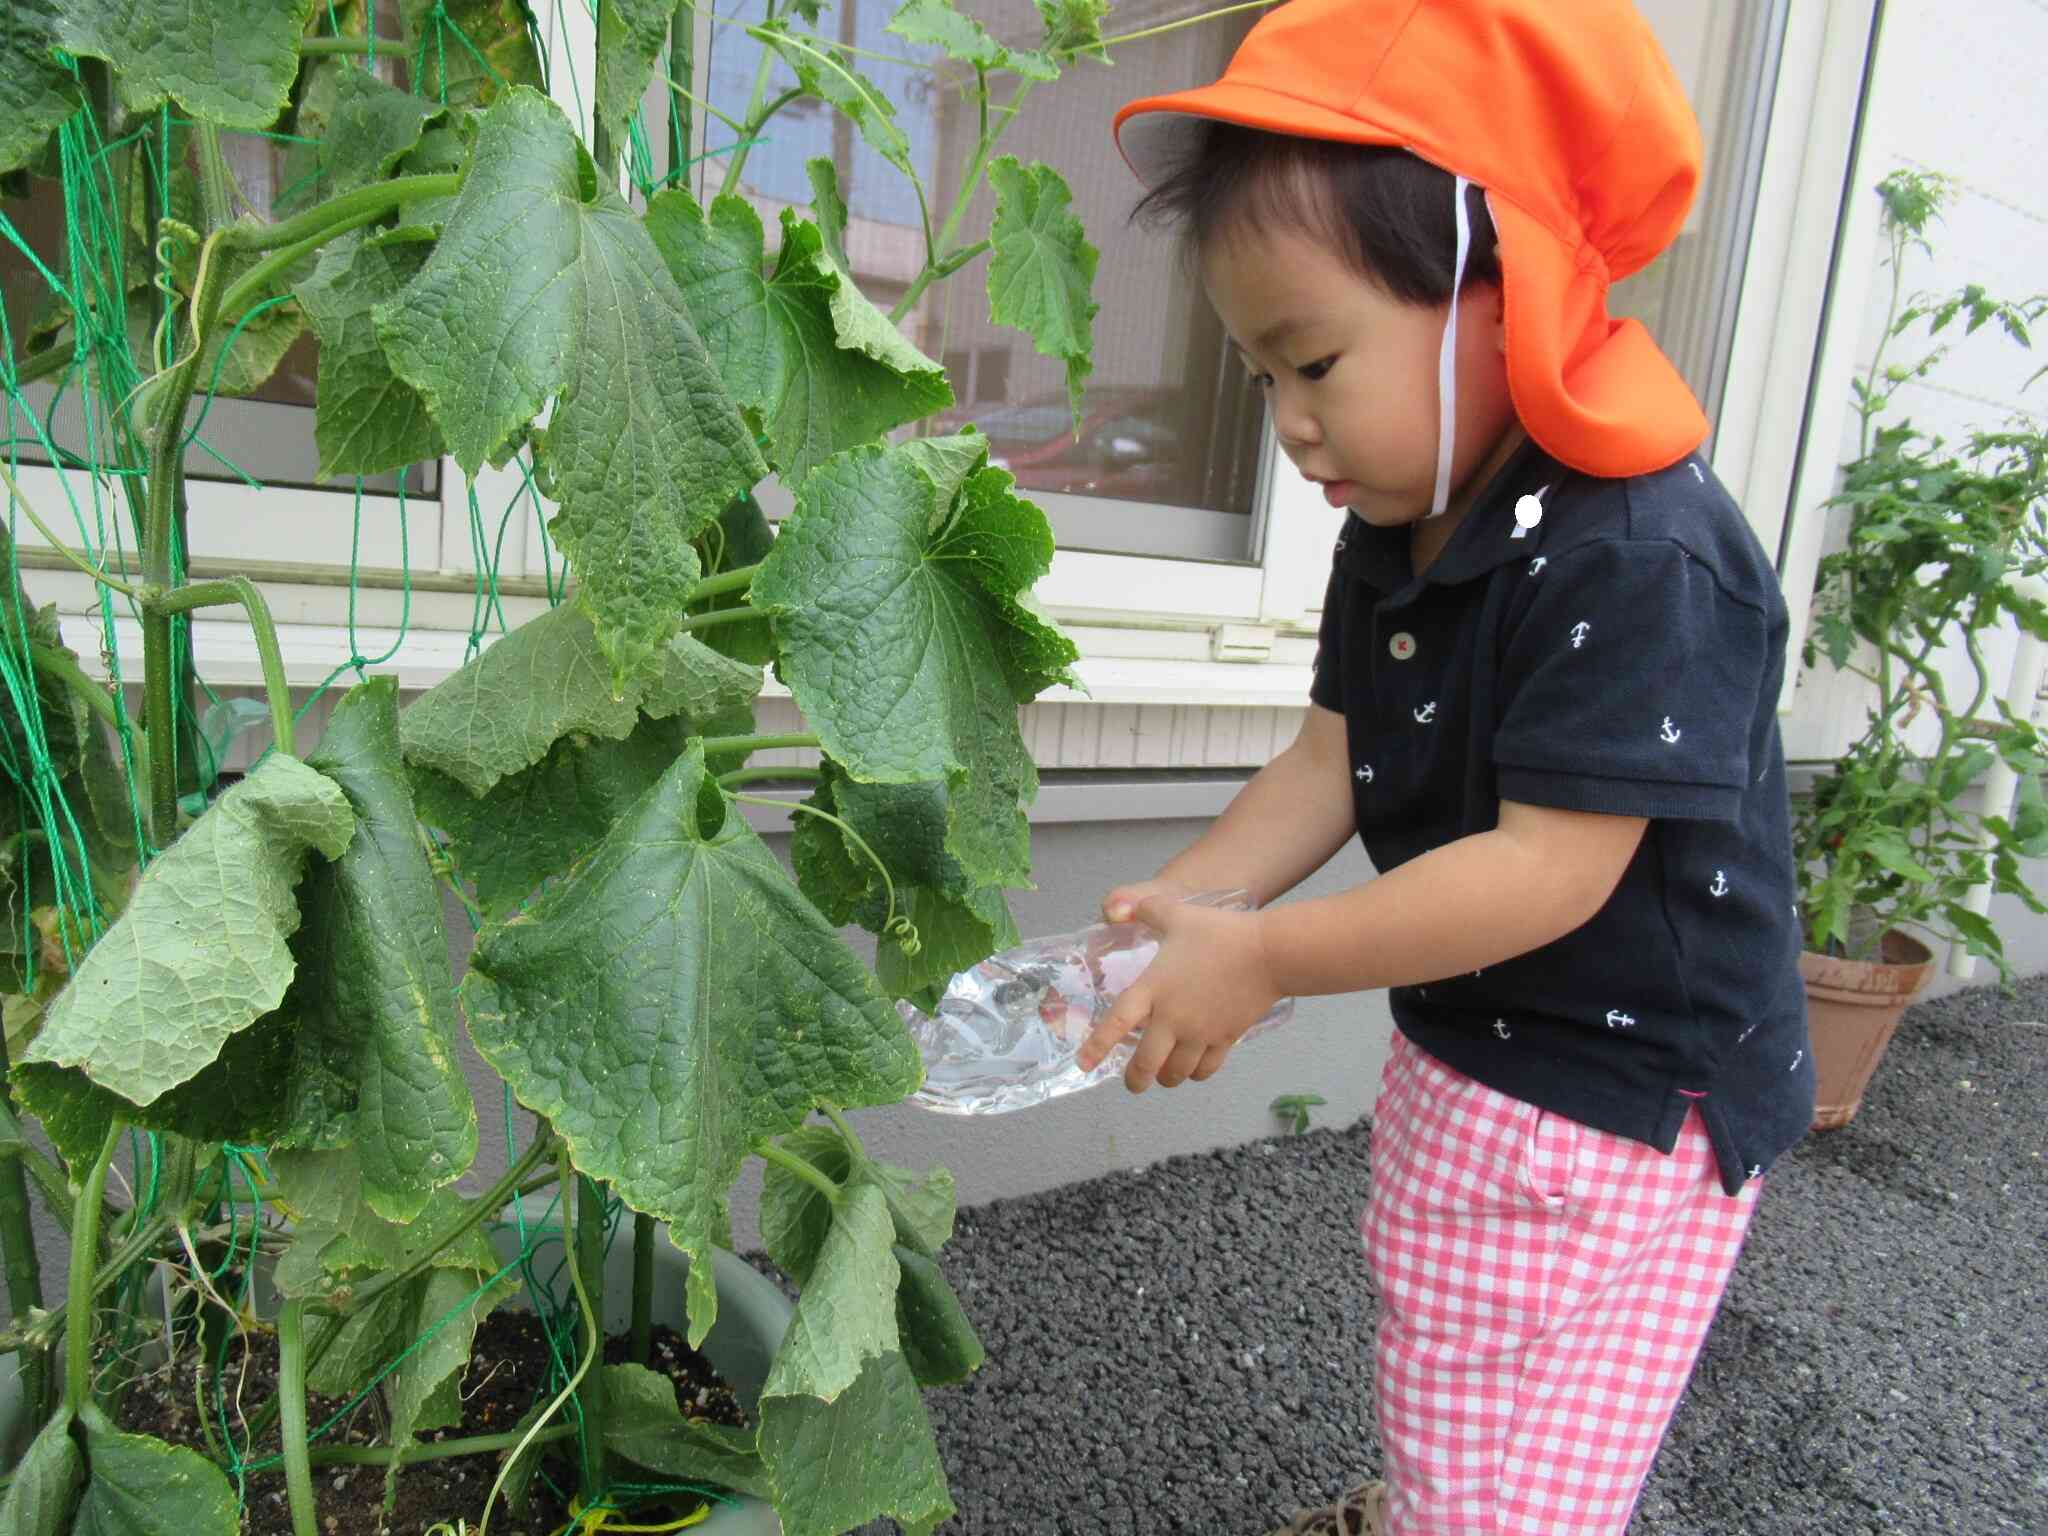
(1566, 111)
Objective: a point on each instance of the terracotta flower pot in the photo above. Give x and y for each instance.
(1852, 1007)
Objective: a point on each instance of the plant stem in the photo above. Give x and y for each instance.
(40, 365)
(739, 579)
(382, 196)
(716, 617)
(247, 290)
(834, 1114)
(587, 1273)
(65, 669)
(714, 745)
(936, 266)
(291, 1397)
(85, 1242)
(741, 776)
(755, 116)
(643, 1288)
(18, 1254)
(57, 544)
(783, 1158)
(682, 45)
(240, 589)
(430, 1450)
(216, 181)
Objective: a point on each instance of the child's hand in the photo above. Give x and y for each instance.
(1209, 984)
(1121, 905)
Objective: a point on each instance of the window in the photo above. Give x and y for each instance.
(266, 433)
(1167, 458)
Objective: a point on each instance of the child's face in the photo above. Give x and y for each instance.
(1351, 372)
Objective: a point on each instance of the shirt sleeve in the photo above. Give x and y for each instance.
(1629, 686)
(1327, 686)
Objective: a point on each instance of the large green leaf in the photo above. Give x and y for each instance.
(673, 1001)
(824, 368)
(894, 586)
(544, 284)
(381, 989)
(936, 24)
(372, 128)
(230, 62)
(797, 1221)
(36, 92)
(847, 1312)
(643, 1424)
(630, 35)
(46, 1483)
(956, 923)
(534, 823)
(868, 1453)
(139, 1486)
(470, 51)
(368, 420)
(200, 954)
(545, 680)
(1042, 268)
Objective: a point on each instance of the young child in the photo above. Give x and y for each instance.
(1545, 700)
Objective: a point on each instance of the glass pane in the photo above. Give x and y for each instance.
(267, 433)
(1726, 56)
(1170, 421)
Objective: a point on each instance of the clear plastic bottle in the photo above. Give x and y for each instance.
(1006, 1033)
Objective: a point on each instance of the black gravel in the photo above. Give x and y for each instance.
(1187, 1347)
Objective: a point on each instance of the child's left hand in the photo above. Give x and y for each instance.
(1209, 984)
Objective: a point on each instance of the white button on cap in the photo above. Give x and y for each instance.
(1528, 512)
(1402, 646)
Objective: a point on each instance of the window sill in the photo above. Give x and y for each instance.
(225, 652)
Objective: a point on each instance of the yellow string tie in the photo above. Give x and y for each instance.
(589, 1522)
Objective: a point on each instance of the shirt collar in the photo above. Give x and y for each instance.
(1483, 541)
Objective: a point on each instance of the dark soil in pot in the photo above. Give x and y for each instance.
(507, 1371)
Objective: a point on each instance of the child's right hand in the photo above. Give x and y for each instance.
(1121, 904)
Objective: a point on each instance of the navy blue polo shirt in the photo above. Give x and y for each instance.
(1623, 655)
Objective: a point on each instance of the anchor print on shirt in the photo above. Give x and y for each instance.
(1536, 565)
(1500, 1027)
(1670, 732)
(1694, 467)
(1616, 1019)
(1579, 632)
(1797, 1057)
(1720, 885)
(1426, 714)
(1757, 1172)
(1364, 774)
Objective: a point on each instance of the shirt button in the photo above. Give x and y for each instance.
(1402, 646)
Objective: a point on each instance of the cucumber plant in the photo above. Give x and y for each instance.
(266, 967)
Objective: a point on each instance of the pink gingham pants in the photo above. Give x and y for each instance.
(1544, 1290)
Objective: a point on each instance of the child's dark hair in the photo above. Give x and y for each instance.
(1387, 210)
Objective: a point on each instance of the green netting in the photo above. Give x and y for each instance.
(101, 476)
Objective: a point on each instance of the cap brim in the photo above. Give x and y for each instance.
(1152, 133)
(1595, 393)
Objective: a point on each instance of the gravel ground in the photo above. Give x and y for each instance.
(1187, 1347)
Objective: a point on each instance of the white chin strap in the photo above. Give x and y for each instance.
(1447, 367)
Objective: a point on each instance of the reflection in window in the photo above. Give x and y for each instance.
(1168, 417)
(267, 432)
